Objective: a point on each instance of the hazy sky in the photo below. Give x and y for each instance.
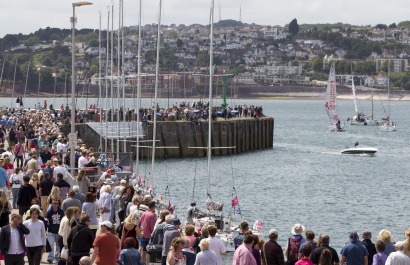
(26, 16)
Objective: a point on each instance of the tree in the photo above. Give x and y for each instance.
(293, 27)
(392, 26)
(316, 64)
(180, 43)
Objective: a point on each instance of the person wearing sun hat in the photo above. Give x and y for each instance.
(354, 253)
(107, 246)
(294, 243)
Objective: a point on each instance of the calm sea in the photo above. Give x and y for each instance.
(304, 178)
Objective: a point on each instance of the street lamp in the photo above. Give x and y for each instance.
(73, 136)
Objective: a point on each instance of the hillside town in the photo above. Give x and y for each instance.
(248, 54)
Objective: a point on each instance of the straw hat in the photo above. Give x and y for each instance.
(297, 229)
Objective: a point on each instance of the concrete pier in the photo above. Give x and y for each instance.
(244, 134)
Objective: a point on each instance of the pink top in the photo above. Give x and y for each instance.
(304, 261)
(148, 220)
(243, 256)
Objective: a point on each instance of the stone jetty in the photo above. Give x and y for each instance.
(242, 134)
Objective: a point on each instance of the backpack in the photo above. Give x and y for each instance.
(293, 249)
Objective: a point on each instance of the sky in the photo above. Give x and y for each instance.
(27, 16)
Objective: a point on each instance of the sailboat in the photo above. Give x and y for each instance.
(360, 118)
(389, 126)
(331, 107)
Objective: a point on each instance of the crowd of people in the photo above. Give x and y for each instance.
(47, 213)
(299, 250)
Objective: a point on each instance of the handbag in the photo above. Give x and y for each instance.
(64, 254)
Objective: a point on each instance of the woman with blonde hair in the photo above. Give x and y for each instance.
(5, 209)
(406, 245)
(68, 222)
(385, 236)
(129, 228)
(175, 255)
(7, 165)
(83, 182)
(35, 182)
(54, 196)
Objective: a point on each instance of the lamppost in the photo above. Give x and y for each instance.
(73, 137)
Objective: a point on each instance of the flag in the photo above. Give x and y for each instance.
(235, 201)
(238, 211)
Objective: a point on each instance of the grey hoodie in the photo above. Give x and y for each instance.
(170, 233)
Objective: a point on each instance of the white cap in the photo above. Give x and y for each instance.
(273, 231)
(106, 223)
(123, 181)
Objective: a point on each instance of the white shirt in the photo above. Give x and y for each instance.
(60, 169)
(16, 180)
(10, 155)
(37, 236)
(398, 258)
(15, 244)
(82, 161)
(61, 148)
(217, 246)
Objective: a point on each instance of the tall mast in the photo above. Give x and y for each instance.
(211, 59)
(14, 82)
(99, 83)
(25, 87)
(138, 90)
(154, 130)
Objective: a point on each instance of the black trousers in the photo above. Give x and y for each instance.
(34, 255)
(17, 259)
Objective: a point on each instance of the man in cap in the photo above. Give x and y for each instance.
(171, 229)
(294, 243)
(315, 257)
(371, 248)
(354, 253)
(107, 246)
(272, 251)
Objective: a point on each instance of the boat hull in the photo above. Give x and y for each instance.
(360, 151)
(388, 128)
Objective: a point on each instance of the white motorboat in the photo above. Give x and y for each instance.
(370, 151)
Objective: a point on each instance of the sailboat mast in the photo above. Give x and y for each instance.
(2, 70)
(14, 82)
(211, 59)
(25, 87)
(99, 82)
(154, 129)
(388, 88)
(138, 90)
(106, 80)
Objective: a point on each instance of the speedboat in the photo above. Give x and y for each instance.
(360, 151)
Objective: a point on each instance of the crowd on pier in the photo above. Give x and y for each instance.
(46, 213)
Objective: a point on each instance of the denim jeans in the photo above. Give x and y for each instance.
(19, 160)
(53, 238)
(15, 192)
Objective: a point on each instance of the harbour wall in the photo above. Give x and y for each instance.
(180, 139)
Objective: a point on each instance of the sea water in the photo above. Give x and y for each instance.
(303, 178)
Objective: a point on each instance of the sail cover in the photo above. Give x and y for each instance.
(331, 95)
